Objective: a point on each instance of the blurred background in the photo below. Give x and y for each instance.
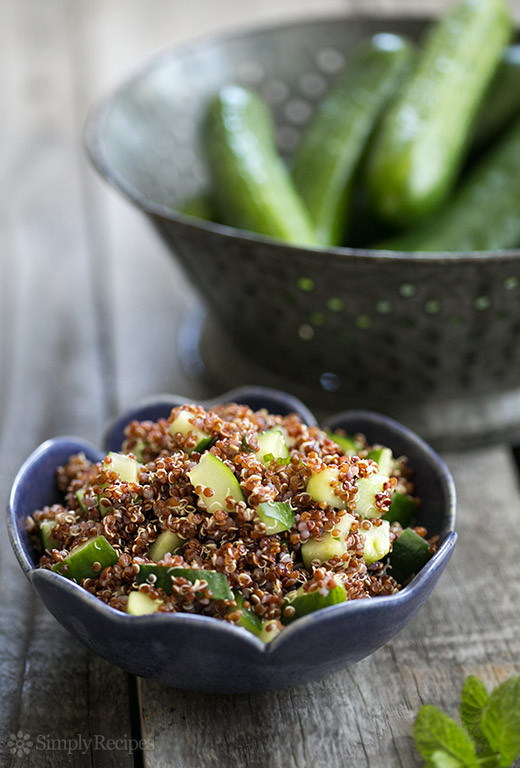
(81, 273)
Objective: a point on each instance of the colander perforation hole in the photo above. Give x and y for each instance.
(330, 60)
(482, 303)
(363, 322)
(298, 111)
(305, 284)
(407, 290)
(312, 85)
(306, 332)
(384, 307)
(275, 92)
(335, 304)
(432, 306)
(317, 319)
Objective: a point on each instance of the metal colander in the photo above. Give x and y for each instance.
(431, 339)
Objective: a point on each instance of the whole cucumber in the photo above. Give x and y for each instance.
(252, 187)
(424, 136)
(485, 213)
(331, 148)
(502, 102)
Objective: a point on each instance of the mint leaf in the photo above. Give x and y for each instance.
(500, 721)
(474, 697)
(441, 759)
(436, 733)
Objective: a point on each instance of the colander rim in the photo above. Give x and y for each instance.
(98, 114)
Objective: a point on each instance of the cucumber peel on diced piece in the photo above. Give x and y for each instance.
(384, 459)
(329, 546)
(320, 488)
(141, 604)
(212, 473)
(403, 510)
(248, 619)
(79, 497)
(125, 466)
(368, 488)
(308, 602)
(276, 516)
(376, 541)
(162, 575)
(347, 444)
(48, 541)
(167, 541)
(182, 424)
(79, 563)
(410, 552)
(272, 446)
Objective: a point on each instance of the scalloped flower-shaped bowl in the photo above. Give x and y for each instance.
(202, 653)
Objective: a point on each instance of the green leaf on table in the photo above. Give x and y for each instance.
(500, 721)
(474, 698)
(436, 733)
(441, 759)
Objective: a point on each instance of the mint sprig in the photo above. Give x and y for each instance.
(441, 740)
(489, 736)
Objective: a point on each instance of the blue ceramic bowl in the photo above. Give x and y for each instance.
(201, 653)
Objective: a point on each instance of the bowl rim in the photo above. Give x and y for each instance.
(90, 602)
(99, 112)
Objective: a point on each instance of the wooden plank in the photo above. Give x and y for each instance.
(363, 716)
(51, 379)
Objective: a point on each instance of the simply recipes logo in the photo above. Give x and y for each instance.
(21, 744)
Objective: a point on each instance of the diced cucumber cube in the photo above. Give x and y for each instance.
(213, 474)
(402, 510)
(48, 541)
(140, 604)
(376, 541)
(183, 424)
(125, 466)
(162, 575)
(167, 541)
(344, 525)
(79, 564)
(270, 630)
(308, 602)
(329, 546)
(409, 553)
(321, 489)
(384, 458)
(272, 446)
(314, 549)
(368, 488)
(276, 516)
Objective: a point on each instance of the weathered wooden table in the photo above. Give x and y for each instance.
(90, 304)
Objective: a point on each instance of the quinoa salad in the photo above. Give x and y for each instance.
(245, 516)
